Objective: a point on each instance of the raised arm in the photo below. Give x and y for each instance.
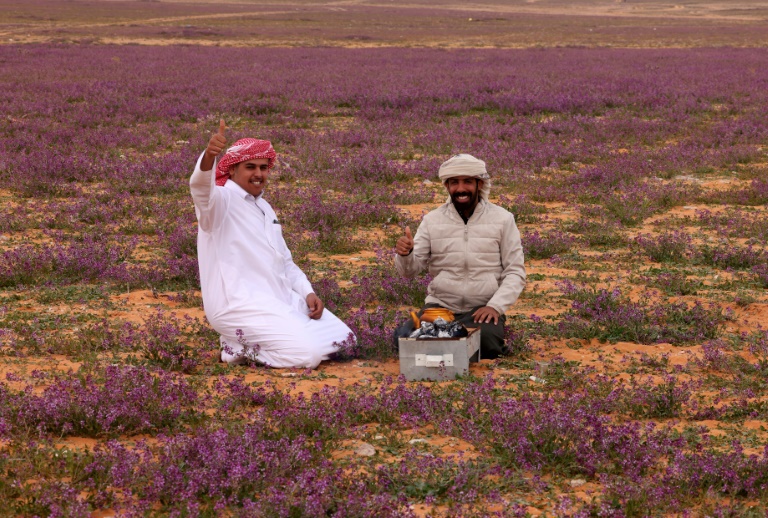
(203, 179)
(413, 252)
(215, 146)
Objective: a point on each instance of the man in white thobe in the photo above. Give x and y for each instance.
(254, 296)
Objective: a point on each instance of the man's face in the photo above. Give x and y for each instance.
(251, 175)
(464, 192)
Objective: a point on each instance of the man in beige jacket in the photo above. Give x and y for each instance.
(471, 249)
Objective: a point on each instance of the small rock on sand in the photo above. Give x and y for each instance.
(365, 450)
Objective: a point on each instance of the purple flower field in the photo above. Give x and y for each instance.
(635, 379)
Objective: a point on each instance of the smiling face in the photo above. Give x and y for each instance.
(251, 175)
(464, 192)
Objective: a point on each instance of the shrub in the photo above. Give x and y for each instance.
(117, 400)
(648, 400)
(517, 339)
(609, 315)
(374, 331)
(524, 210)
(735, 223)
(90, 257)
(597, 227)
(629, 209)
(755, 194)
(545, 245)
(729, 256)
(567, 435)
(761, 272)
(381, 284)
(671, 283)
(326, 223)
(673, 247)
(163, 343)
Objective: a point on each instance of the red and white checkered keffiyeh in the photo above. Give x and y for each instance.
(242, 150)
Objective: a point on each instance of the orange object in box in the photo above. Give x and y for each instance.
(432, 314)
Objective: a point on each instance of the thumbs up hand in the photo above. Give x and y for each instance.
(217, 143)
(218, 140)
(404, 245)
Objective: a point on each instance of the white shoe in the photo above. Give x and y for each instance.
(232, 359)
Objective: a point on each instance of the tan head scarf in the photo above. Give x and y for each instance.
(466, 165)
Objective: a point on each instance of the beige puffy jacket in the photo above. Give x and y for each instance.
(475, 264)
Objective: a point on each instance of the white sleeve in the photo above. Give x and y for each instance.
(299, 282)
(202, 185)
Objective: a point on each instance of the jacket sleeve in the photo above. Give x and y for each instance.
(412, 264)
(209, 206)
(513, 268)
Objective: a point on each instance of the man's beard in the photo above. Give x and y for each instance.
(467, 205)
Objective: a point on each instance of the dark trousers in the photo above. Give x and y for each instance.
(491, 335)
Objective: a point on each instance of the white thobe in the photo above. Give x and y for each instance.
(254, 295)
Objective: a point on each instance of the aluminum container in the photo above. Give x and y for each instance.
(438, 359)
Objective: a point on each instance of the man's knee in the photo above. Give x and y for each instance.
(403, 330)
(492, 339)
(491, 335)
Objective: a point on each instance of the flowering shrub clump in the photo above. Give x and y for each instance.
(671, 283)
(761, 272)
(538, 245)
(163, 344)
(180, 267)
(673, 247)
(609, 315)
(517, 340)
(714, 356)
(380, 284)
(434, 479)
(630, 209)
(663, 400)
(597, 226)
(729, 256)
(374, 331)
(43, 497)
(88, 258)
(524, 210)
(735, 223)
(327, 221)
(754, 194)
(117, 400)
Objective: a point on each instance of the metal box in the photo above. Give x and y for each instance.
(438, 359)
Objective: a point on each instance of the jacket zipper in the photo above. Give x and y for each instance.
(466, 266)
